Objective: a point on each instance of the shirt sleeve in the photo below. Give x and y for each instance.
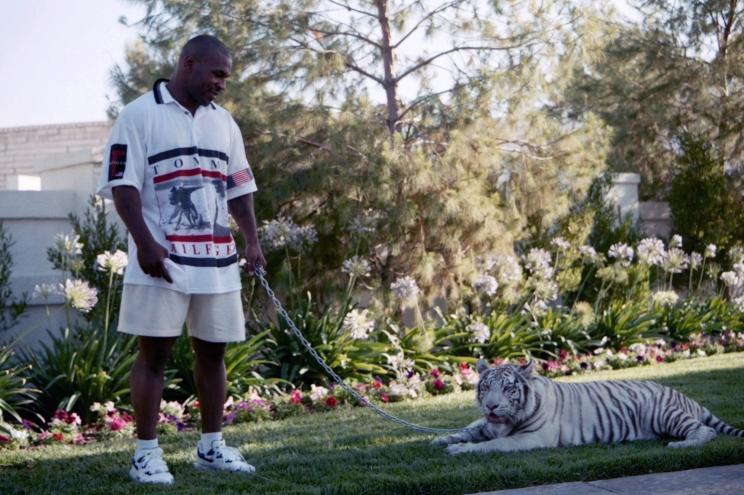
(123, 158)
(240, 179)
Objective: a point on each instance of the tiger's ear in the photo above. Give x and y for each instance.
(526, 369)
(481, 366)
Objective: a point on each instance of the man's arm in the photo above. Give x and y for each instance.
(150, 254)
(241, 209)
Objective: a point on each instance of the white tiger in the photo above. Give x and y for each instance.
(522, 411)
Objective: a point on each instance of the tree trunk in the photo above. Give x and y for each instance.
(390, 83)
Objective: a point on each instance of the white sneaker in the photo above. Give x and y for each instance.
(220, 457)
(148, 466)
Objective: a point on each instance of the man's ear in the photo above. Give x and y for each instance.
(481, 366)
(526, 370)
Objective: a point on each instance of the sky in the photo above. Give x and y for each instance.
(56, 57)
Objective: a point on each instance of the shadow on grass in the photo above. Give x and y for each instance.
(354, 452)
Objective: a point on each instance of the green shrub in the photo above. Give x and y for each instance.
(16, 395)
(621, 325)
(11, 308)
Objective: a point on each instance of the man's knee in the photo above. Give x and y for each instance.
(208, 353)
(155, 352)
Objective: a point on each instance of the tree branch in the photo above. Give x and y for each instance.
(352, 9)
(431, 14)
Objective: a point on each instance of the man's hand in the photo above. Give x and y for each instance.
(253, 258)
(151, 256)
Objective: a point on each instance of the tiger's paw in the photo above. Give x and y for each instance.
(443, 440)
(461, 448)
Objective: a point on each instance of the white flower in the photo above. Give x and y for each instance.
(404, 288)
(172, 408)
(545, 290)
(665, 298)
(486, 284)
(44, 291)
(112, 262)
(282, 233)
(622, 252)
(507, 270)
(730, 279)
(622, 356)
(356, 267)
(366, 223)
(79, 294)
(676, 241)
(560, 243)
(739, 269)
(588, 253)
(398, 389)
(739, 303)
(639, 349)
(479, 332)
(399, 361)
(696, 259)
(68, 244)
(651, 251)
(318, 393)
(538, 263)
(710, 251)
(358, 324)
(676, 261)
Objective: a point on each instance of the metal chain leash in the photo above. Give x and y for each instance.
(261, 274)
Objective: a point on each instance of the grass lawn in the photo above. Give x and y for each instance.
(352, 451)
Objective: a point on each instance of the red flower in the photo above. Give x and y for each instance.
(562, 355)
(438, 384)
(464, 366)
(4, 439)
(384, 398)
(331, 401)
(659, 358)
(58, 437)
(436, 373)
(196, 405)
(377, 383)
(295, 397)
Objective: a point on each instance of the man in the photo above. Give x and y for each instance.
(176, 137)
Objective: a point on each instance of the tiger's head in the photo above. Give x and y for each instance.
(503, 392)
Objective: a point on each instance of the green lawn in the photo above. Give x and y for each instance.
(352, 451)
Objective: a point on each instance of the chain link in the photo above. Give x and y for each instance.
(261, 275)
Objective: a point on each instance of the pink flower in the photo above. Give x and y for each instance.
(464, 366)
(58, 437)
(376, 383)
(117, 424)
(4, 439)
(331, 401)
(659, 358)
(436, 373)
(384, 398)
(562, 355)
(295, 397)
(438, 384)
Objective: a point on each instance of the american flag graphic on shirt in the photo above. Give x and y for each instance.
(239, 178)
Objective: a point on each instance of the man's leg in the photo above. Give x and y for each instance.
(147, 383)
(211, 382)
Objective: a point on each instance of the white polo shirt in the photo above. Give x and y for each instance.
(186, 168)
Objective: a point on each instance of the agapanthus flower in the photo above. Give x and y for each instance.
(538, 262)
(730, 279)
(506, 269)
(560, 243)
(651, 251)
(44, 291)
(405, 288)
(356, 266)
(696, 259)
(68, 244)
(283, 233)
(79, 294)
(365, 223)
(710, 251)
(479, 332)
(588, 253)
(676, 241)
(486, 284)
(665, 298)
(358, 324)
(676, 261)
(621, 252)
(112, 262)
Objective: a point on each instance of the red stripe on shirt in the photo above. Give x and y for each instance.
(188, 173)
(200, 238)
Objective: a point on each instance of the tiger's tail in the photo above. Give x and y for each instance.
(720, 426)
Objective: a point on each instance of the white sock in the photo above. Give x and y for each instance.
(147, 444)
(208, 438)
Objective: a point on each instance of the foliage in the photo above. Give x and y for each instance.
(11, 308)
(621, 325)
(288, 360)
(78, 368)
(16, 395)
(705, 207)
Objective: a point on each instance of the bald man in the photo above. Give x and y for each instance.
(175, 138)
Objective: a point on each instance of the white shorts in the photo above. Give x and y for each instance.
(157, 312)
